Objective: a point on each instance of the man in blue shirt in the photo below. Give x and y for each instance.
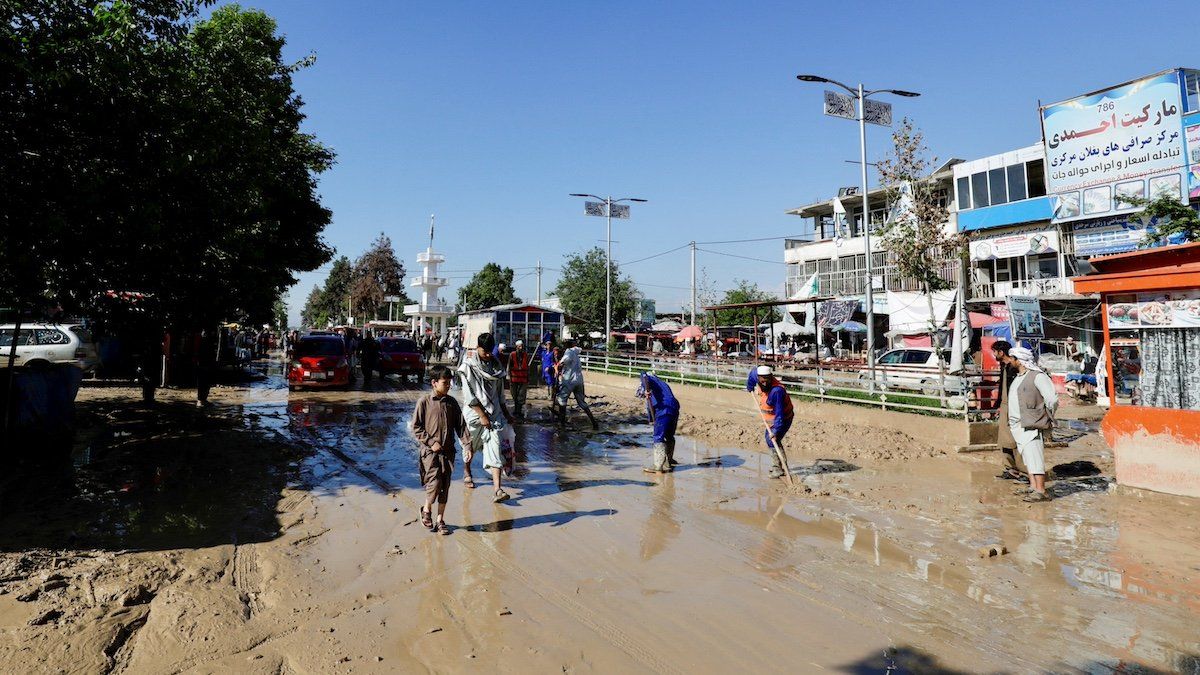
(663, 410)
(775, 406)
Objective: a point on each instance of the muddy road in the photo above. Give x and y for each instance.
(277, 532)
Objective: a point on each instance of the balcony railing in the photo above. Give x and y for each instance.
(982, 290)
(431, 282)
(433, 308)
(854, 282)
(430, 258)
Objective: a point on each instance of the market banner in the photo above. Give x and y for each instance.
(1109, 235)
(1127, 140)
(1025, 317)
(1015, 244)
(1175, 309)
(835, 312)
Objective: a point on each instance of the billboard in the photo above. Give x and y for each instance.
(1191, 131)
(1015, 243)
(1127, 140)
(1025, 317)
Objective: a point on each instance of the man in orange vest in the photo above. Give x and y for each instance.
(518, 378)
(775, 406)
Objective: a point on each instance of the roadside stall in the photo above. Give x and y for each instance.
(1151, 319)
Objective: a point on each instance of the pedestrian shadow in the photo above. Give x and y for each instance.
(716, 462)
(899, 660)
(553, 519)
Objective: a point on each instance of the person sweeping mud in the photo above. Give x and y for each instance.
(775, 406)
(663, 410)
(483, 388)
(569, 372)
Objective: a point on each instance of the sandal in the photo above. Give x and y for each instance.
(468, 482)
(1037, 497)
(440, 528)
(426, 518)
(501, 495)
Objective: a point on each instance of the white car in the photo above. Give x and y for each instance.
(915, 368)
(43, 344)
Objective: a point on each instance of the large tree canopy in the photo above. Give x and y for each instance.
(150, 151)
(745, 291)
(581, 288)
(491, 286)
(377, 273)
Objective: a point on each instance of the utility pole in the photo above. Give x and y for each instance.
(693, 283)
(539, 282)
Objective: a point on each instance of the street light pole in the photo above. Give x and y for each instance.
(693, 283)
(608, 273)
(862, 153)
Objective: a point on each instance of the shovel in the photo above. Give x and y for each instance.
(787, 474)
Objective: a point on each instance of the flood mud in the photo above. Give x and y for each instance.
(278, 531)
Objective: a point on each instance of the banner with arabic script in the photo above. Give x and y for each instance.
(1128, 140)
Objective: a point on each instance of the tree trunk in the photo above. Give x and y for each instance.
(933, 334)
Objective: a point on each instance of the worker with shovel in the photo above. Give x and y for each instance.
(662, 408)
(775, 406)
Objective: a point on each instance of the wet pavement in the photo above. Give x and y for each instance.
(596, 565)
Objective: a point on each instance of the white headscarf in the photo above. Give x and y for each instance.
(1026, 357)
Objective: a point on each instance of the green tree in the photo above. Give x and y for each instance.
(916, 236)
(280, 314)
(745, 291)
(581, 288)
(1170, 216)
(154, 152)
(491, 286)
(335, 295)
(377, 273)
(313, 315)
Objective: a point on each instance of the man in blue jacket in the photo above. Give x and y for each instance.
(663, 410)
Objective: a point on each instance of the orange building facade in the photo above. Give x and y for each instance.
(1151, 317)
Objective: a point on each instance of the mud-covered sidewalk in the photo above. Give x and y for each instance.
(277, 532)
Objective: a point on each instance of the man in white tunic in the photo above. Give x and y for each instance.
(1031, 405)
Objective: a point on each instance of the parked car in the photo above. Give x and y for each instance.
(319, 361)
(400, 356)
(42, 344)
(916, 368)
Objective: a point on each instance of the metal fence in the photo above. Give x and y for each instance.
(970, 398)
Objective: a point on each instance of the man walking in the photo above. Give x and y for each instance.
(518, 378)
(486, 414)
(369, 350)
(775, 406)
(1014, 467)
(569, 373)
(548, 375)
(663, 410)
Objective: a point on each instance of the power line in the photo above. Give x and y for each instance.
(677, 248)
(743, 257)
(742, 241)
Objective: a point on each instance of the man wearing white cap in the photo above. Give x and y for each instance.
(518, 378)
(775, 406)
(1031, 405)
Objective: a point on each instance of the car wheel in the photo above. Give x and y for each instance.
(929, 388)
(37, 364)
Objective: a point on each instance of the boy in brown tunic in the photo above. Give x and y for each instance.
(436, 421)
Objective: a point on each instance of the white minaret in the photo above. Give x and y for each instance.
(431, 312)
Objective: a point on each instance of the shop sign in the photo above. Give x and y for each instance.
(1127, 140)
(1192, 132)
(1109, 235)
(999, 310)
(1173, 309)
(1025, 317)
(1014, 244)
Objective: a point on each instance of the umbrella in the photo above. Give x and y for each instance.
(689, 332)
(851, 327)
(979, 320)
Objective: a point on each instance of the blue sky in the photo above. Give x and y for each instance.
(489, 114)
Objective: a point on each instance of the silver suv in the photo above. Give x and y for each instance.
(43, 344)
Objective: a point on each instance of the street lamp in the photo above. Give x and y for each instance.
(608, 204)
(861, 96)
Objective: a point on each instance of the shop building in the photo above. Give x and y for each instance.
(509, 323)
(1151, 329)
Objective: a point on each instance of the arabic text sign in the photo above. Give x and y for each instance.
(1110, 235)
(839, 105)
(877, 112)
(1121, 133)
(1025, 317)
(1175, 309)
(1015, 244)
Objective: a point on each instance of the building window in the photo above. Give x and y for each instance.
(1191, 86)
(963, 188)
(1044, 266)
(1016, 182)
(1035, 178)
(979, 191)
(997, 192)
